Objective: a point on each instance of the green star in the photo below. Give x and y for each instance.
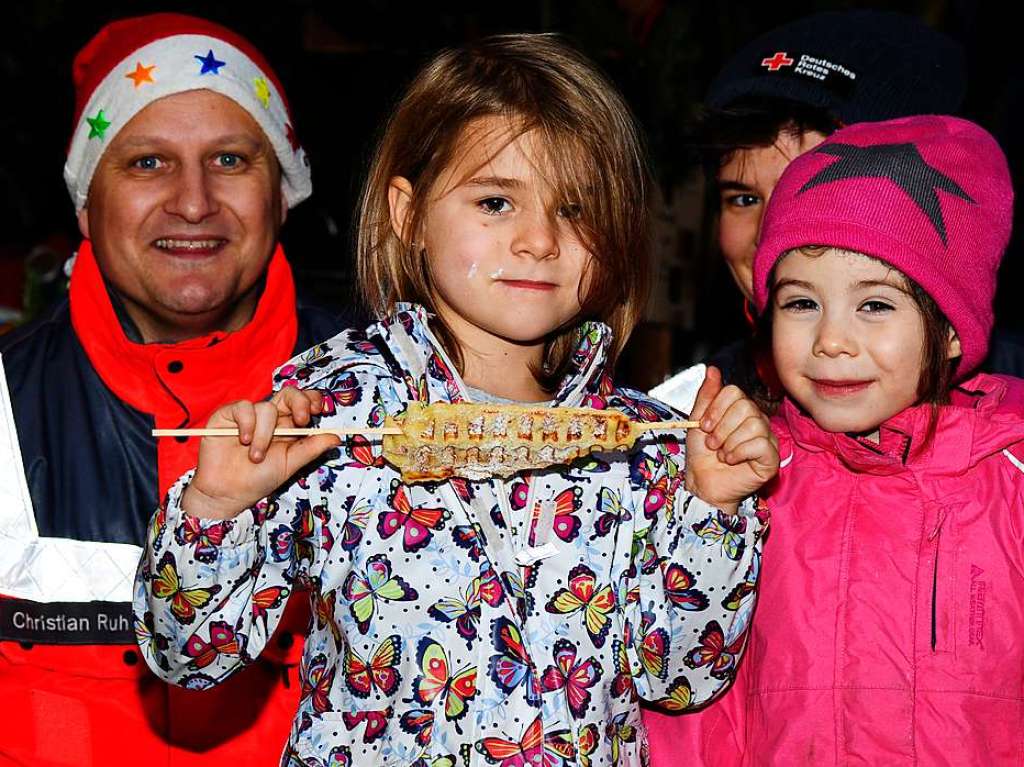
(97, 125)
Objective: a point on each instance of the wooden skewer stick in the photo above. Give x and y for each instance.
(283, 432)
(369, 432)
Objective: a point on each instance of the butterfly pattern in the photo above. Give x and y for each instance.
(429, 644)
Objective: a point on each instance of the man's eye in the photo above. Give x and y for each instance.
(229, 160)
(148, 162)
(494, 205)
(740, 200)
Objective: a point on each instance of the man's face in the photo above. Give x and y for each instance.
(746, 183)
(183, 213)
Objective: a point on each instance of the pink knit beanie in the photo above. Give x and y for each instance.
(930, 195)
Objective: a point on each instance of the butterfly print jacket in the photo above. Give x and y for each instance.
(488, 622)
(890, 616)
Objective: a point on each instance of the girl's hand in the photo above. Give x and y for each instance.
(234, 473)
(734, 451)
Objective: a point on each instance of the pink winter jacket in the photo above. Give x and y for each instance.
(890, 623)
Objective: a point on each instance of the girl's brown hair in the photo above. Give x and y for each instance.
(938, 372)
(594, 160)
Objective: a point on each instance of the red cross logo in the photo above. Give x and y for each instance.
(777, 62)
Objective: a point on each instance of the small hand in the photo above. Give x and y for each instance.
(235, 473)
(734, 451)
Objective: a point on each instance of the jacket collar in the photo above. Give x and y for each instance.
(430, 375)
(181, 384)
(984, 417)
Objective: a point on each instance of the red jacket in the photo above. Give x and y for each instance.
(81, 398)
(889, 620)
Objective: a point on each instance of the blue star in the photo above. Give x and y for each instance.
(210, 63)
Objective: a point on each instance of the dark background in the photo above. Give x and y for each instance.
(345, 63)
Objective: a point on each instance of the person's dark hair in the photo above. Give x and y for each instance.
(754, 121)
(937, 371)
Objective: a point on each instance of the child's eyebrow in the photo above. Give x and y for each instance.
(880, 284)
(731, 185)
(498, 181)
(789, 283)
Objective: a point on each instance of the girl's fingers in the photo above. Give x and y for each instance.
(708, 391)
(308, 449)
(244, 415)
(724, 400)
(299, 404)
(266, 421)
(730, 408)
(750, 428)
(759, 453)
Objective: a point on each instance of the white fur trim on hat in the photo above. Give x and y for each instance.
(182, 63)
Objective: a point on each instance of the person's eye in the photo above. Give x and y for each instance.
(799, 305)
(229, 160)
(149, 162)
(876, 307)
(494, 206)
(570, 211)
(744, 200)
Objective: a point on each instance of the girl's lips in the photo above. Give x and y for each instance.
(529, 284)
(831, 388)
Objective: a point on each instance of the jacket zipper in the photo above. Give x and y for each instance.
(936, 535)
(935, 590)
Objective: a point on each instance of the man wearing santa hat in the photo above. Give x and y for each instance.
(182, 165)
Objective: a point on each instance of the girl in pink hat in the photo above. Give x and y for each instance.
(892, 587)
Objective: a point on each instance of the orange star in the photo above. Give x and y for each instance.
(141, 74)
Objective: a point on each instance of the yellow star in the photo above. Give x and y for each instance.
(262, 91)
(141, 74)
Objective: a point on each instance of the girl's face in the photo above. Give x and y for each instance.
(847, 338)
(505, 262)
(746, 183)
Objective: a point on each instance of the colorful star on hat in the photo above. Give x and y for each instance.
(262, 91)
(141, 74)
(97, 125)
(210, 63)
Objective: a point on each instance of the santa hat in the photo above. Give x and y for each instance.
(131, 63)
(929, 195)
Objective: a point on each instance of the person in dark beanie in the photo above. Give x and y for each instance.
(182, 165)
(780, 96)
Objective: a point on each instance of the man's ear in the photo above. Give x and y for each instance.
(400, 206)
(83, 221)
(953, 349)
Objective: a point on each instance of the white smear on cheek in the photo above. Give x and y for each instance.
(472, 271)
(497, 274)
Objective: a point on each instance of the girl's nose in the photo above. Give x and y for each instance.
(833, 339)
(536, 236)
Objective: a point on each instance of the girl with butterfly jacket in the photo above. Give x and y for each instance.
(486, 622)
(889, 617)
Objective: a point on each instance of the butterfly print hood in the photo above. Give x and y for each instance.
(889, 619)
(488, 622)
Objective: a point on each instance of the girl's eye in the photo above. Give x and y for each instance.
(799, 305)
(229, 160)
(744, 200)
(570, 211)
(874, 307)
(494, 206)
(149, 162)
